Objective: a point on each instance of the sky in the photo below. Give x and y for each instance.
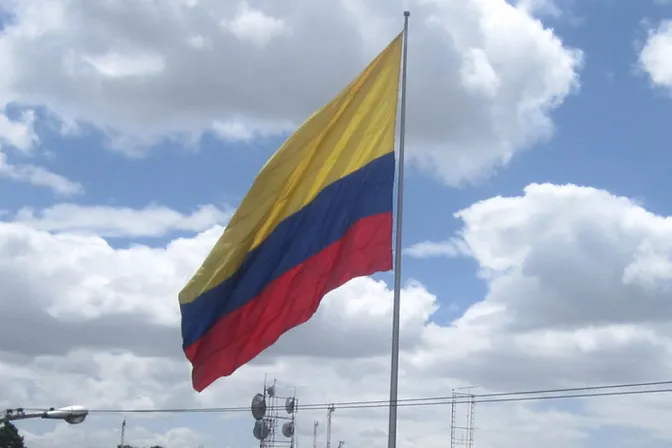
(537, 231)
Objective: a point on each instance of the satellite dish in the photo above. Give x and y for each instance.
(258, 407)
(270, 390)
(290, 405)
(288, 429)
(261, 430)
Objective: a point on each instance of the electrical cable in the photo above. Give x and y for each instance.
(500, 397)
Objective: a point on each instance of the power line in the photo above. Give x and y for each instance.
(501, 397)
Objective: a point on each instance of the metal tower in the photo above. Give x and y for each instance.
(330, 410)
(470, 421)
(267, 415)
(462, 435)
(272, 418)
(452, 420)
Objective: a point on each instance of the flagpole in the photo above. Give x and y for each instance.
(396, 309)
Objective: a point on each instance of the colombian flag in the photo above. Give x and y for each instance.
(318, 215)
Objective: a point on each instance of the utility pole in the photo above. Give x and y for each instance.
(315, 425)
(330, 410)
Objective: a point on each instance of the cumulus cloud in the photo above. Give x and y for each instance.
(484, 77)
(18, 133)
(571, 271)
(38, 176)
(654, 57)
(127, 298)
(82, 268)
(577, 281)
(613, 250)
(540, 7)
(105, 332)
(65, 437)
(427, 249)
(107, 221)
(342, 320)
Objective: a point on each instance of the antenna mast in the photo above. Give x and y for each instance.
(268, 427)
(123, 433)
(330, 410)
(462, 435)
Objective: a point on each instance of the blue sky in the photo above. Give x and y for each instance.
(610, 132)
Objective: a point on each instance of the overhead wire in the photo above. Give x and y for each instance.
(499, 397)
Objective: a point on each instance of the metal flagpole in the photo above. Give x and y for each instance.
(394, 375)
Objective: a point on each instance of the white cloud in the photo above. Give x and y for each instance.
(151, 221)
(18, 133)
(577, 279)
(253, 26)
(484, 77)
(64, 436)
(93, 278)
(96, 281)
(654, 58)
(127, 64)
(542, 7)
(39, 177)
(571, 271)
(427, 249)
(612, 249)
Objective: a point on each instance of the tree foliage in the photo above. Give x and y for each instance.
(10, 437)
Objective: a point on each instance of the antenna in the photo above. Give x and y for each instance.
(330, 410)
(315, 425)
(267, 410)
(123, 433)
